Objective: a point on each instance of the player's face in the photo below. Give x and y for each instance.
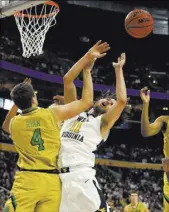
(103, 105)
(134, 198)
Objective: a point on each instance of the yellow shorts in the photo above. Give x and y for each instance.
(166, 194)
(32, 191)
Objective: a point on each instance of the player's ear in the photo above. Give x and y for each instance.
(34, 100)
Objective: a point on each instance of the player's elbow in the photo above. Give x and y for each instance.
(144, 133)
(67, 80)
(122, 102)
(87, 103)
(5, 128)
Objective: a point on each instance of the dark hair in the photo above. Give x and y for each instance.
(22, 95)
(134, 192)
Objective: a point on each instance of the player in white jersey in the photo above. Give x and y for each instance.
(80, 137)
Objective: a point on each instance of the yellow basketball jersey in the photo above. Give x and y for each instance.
(37, 139)
(140, 208)
(166, 154)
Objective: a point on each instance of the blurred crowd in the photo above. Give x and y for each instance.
(7, 172)
(116, 183)
(49, 62)
(129, 153)
(136, 75)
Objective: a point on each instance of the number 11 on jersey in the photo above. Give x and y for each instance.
(76, 126)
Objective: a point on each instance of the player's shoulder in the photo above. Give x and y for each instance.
(142, 205)
(126, 208)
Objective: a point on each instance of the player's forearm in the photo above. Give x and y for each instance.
(87, 93)
(145, 124)
(121, 93)
(8, 118)
(72, 74)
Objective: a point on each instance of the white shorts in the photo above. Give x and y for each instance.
(81, 192)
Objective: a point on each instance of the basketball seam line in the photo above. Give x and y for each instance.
(133, 20)
(138, 36)
(139, 26)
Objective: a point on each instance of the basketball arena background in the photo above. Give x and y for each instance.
(127, 161)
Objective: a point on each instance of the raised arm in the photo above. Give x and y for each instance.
(72, 109)
(97, 51)
(12, 113)
(148, 129)
(109, 118)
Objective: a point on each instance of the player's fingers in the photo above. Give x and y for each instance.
(58, 97)
(105, 50)
(102, 55)
(148, 92)
(101, 48)
(98, 42)
(144, 89)
(26, 79)
(103, 44)
(123, 55)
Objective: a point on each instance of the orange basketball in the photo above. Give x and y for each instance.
(139, 23)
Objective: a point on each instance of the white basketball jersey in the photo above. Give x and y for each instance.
(80, 137)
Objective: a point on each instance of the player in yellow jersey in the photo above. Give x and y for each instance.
(36, 135)
(147, 129)
(135, 205)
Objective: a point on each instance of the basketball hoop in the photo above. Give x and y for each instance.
(33, 24)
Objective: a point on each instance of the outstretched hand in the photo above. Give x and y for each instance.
(98, 50)
(59, 100)
(120, 62)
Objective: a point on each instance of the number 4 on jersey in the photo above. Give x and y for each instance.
(37, 140)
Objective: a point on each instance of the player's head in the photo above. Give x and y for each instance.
(103, 105)
(24, 96)
(134, 197)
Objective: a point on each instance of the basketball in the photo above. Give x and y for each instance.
(139, 23)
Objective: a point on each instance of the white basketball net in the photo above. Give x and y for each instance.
(33, 29)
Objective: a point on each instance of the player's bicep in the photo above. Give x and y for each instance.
(70, 110)
(70, 93)
(155, 127)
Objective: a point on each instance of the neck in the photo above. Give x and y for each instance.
(29, 109)
(134, 204)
